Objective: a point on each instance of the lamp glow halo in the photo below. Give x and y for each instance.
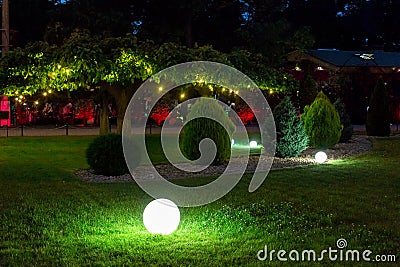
(134, 129)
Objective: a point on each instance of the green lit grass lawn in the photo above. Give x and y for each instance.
(48, 217)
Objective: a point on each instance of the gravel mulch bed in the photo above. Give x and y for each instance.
(357, 145)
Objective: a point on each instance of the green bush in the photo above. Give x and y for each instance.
(198, 129)
(307, 91)
(105, 155)
(378, 115)
(322, 123)
(345, 120)
(291, 138)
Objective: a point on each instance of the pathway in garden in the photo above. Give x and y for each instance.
(49, 130)
(52, 130)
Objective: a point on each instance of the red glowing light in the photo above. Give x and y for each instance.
(5, 107)
(160, 115)
(246, 115)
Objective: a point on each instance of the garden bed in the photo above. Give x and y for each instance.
(357, 145)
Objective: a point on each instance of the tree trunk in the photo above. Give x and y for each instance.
(122, 96)
(104, 121)
(122, 104)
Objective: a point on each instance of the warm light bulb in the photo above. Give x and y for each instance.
(161, 216)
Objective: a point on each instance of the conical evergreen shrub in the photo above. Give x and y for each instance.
(322, 123)
(200, 128)
(378, 116)
(291, 139)
(345, 120)
(307, 91)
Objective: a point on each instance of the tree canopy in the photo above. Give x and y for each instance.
(349, 24)
(117, 66)
(270, 27)
(85, 61)
(112, 47)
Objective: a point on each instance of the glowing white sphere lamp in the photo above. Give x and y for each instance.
(253, 144)
(321, 157)
(161, 216)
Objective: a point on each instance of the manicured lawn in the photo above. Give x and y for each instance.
(49, 217)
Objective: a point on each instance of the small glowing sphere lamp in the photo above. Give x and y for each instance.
(161, 216)
(321, 157)
(253, 144)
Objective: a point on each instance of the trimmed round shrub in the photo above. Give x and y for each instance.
(345, 120)
(105, 155)
(291, 139)
(322, 123)
(378, 115)
(200, 128)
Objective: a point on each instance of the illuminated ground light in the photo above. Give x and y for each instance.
(232, 142)
(161, 216)
(321, 157)
(253, 144)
